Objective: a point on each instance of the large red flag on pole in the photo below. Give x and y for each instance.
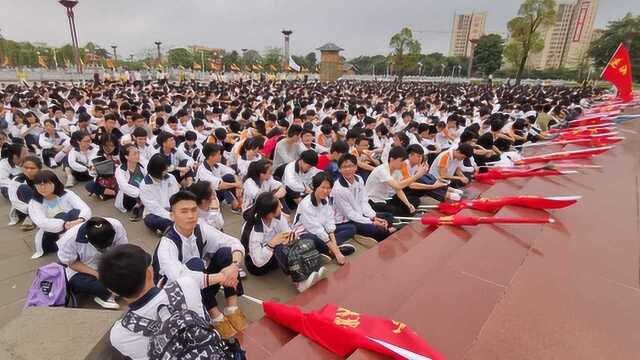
(618, 72)
(343, 331)
(460, 220)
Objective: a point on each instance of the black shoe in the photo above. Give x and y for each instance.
(347, 249)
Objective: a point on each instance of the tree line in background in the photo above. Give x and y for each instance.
(492, 56)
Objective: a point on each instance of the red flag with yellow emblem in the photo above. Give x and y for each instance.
(618, 72)
(343, 331)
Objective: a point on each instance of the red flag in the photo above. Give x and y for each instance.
(459, 220)
(618, 72)
(597, 120)
(565, 155)
(494, 174)
(570, 129)
(343, 331)
(493, 205)
(586, 133)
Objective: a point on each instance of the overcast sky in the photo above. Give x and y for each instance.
(361, 27)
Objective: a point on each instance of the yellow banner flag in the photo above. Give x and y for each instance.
(5, 63)
(273, 68)
(145, 66)
(110, 64)
(197, 66)
(42, 62)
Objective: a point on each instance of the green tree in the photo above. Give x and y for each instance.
(603, 48)
(488, 54)
(272, 56)
(434, 64)
(405, 52)
(181, 57)
(311, 61)
(532, 17)
(231, 58)
(251, 57)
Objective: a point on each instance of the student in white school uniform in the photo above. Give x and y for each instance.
(266, 235)
(127, 272)
(54, 210)
(297, 177)
(140, 140)
(207, 255)
(129, 175)
(155, 190)
(79, 164)
(11, 166)
(260, 179)
(249, 153)
(222, 178)
(315, 220)
(448, 165)
(55, 144)
(21, 191)
(208, 204)
(80, 248)
(179, 164)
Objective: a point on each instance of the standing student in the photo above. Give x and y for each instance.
(386, 183)
(266, 236)
(79, 250)
(314, 219)
(155, 191)
(208, 256)
(352, 207)
(127, 272)
(129, 175)
(54, 210)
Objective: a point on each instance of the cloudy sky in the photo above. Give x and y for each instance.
(359, 26)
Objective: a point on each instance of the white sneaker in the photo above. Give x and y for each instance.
(242, 273)
(70, 181)
(27, 224)
(325, 259)
(322, 273)
(110, 303)
(304, 285)
(454, 196)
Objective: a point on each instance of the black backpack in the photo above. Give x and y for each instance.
(183, 335)
(302, 258)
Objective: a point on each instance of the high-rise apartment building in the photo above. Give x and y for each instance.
(466, 27)
(567, 41)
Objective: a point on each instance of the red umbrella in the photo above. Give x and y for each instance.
(565, 155)
(343, 331)
(460, 220)
(493, 205)
(494, 174)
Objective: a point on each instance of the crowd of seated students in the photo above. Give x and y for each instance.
(333, 163)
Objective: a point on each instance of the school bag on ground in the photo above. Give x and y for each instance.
(49, 288)
(182, 335)
(303, 258)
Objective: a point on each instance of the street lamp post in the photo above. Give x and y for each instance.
(69, 5)
(420, 65)
(285, 62)
(473, 42)
(158, 43)
(115, 55)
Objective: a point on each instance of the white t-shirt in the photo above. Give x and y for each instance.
(135, 346)
(376, 187)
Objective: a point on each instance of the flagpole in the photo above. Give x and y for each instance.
(611, 58)
(252, 299)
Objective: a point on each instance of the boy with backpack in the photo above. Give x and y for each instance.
(208, 256)
(144, 332)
